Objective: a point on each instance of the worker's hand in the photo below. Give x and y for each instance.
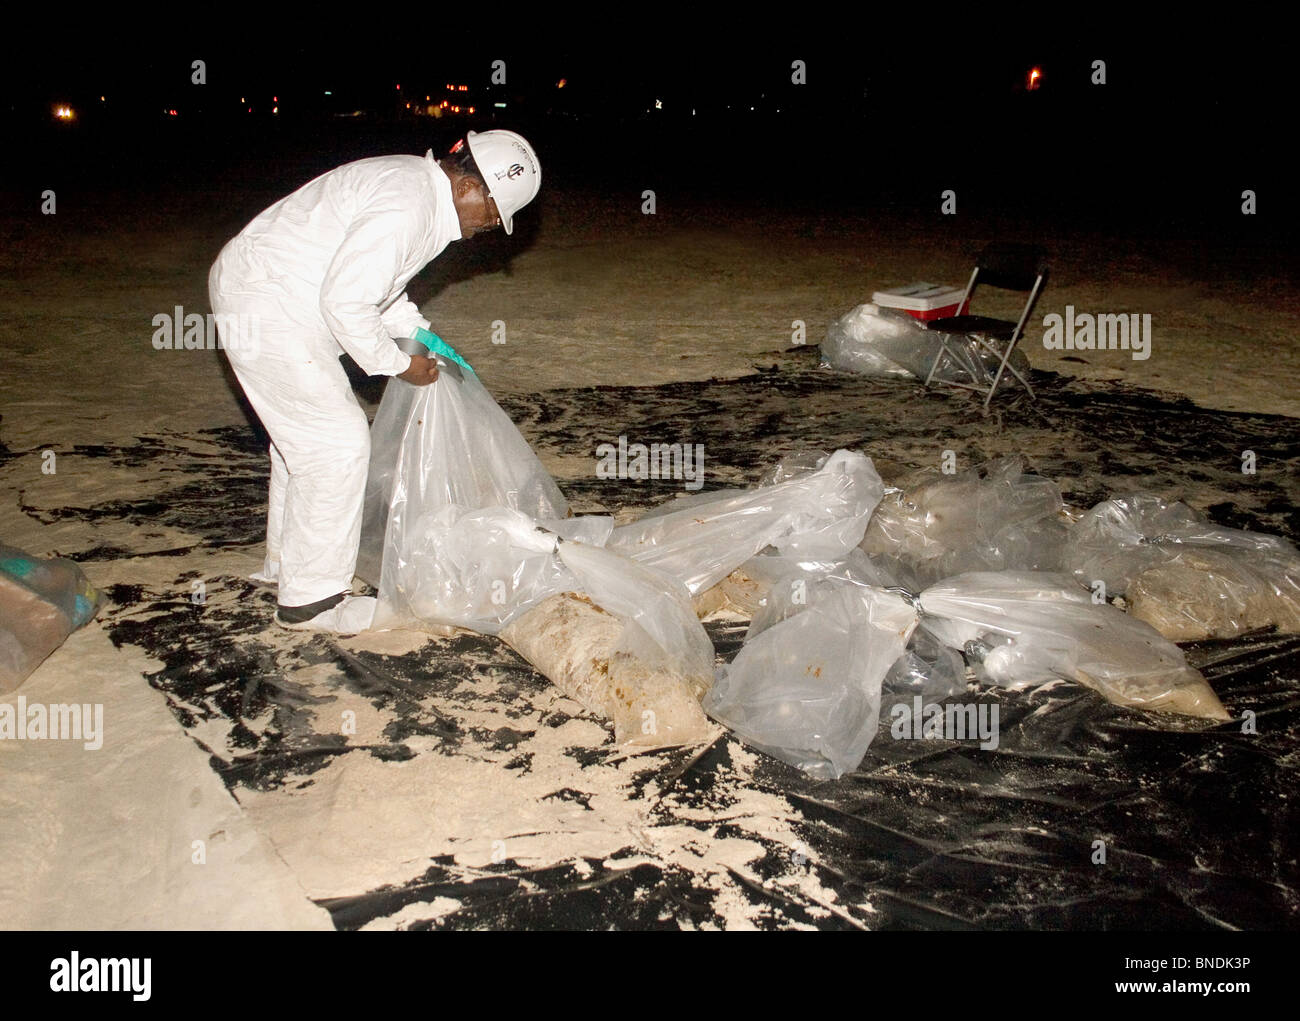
(422, 371)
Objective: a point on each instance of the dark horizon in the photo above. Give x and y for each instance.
(1171, 140)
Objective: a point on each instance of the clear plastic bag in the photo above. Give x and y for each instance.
(444, 445)
(42, 601)
(477, 569)
(464, 527)
(785, 581)
(663, 631)
(622, 639)
(1022, 628)
(801, 462)
(1215, 593)
(807, 689)
(991, 518)
(1121, 537)
(594, 658)
(1188, 578)
(858, 341)
(879, 341)
(821, 513)
(927, 668)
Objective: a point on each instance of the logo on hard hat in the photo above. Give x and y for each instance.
(513, 171)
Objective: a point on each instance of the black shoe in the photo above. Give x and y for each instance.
(298, 614)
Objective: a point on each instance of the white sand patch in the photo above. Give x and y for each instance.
(422, 911)
(106, 839)
(362, 823)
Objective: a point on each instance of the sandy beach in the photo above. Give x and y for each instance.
(595, 318)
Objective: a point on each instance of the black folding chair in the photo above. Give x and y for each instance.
(1011, 267)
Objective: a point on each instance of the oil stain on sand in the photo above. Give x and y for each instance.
(417, 781)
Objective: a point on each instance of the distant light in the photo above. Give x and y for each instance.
(64, 113)
(471, 109)
(242, 99)
(408, 106)
(101, 99)
(426, 98)
(275, 109)
(250, 109)
(1035, 76)
(499, 106)
(275, 99)
(659, 104)
(462, 88)
(561, 83)
(399, 87)
(328, 93)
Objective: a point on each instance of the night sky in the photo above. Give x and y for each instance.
(892, 109)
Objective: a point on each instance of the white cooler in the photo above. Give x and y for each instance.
(921, 301)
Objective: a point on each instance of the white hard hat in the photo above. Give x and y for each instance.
(510, 168)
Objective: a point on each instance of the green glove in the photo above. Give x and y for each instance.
(440, 347)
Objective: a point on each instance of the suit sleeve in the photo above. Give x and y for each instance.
(358, 281)
(403, 318)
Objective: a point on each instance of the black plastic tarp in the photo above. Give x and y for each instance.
(1196, 822)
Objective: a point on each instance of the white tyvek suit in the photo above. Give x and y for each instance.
(324, 271)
